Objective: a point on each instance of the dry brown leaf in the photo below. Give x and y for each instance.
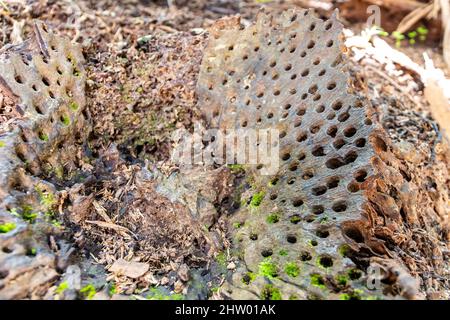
(130, 269)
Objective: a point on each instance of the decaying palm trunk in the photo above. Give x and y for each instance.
(42, 84)
(341, 213)
(341, 199)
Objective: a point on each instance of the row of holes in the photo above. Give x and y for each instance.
(317, 97)
(330, 86)
(45, 81)
(333, 182)
(318, 151)
(292, 49)
(344, 116)
(18, 78)
(301, 111)
(332, 163)
(273, 64)
(324, 260)
(43, 135)
(338, 206)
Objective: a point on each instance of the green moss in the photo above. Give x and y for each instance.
(237, 225)
(236, 168)
(317, 281)
(273, 218)
(75, 71)
(221, 259)
(63, 286)
(323, 220)
(47, 199)
(273, 182)
(56, 223)
(354, 295)
(215, 289)
(59, 172)
(292, 269)
(31, 252)
(88, 291)
(276, 295)
(295, 219)
(344, 250)
(2, 144)
(283, 252)
(248, 278)
(28, 214)
(268, 269)
(74, 106)
(269, 292)
(14, 212)
(65, 120)
(257, 199)
(43, 136)
(157, 294)
(342, 279)
(312, 243)
(293, 297)
(7, 227)
(112, 290)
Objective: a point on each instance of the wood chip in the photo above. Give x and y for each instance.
(101, 211)
(121, 230)
(183, 272)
